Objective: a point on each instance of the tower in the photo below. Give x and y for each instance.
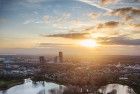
(55, 59)
(61, 57)
(42, 59)
(1, 65)
(42, 65)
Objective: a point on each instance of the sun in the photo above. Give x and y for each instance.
(88, 43)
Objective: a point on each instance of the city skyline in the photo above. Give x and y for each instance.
(97, 27)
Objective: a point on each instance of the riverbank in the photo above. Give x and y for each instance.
(5, 84)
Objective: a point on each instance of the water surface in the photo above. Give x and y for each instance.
(116, 89)
(42, 87)
(29, 87)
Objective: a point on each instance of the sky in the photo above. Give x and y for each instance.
(49, 26)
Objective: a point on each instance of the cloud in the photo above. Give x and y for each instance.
(70, 35)
(86, 32)
(119, 40)
(110, 24)
(136, 31)
(33, 20)
(53, 44)
(126, 13)
(136, 0)
(131, 1)
(104, 2)
(135, 28)
(46, 18)
(135, 25)
(92, 3)
(94, 15)
(126, 10)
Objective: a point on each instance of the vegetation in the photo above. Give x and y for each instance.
(5, 83)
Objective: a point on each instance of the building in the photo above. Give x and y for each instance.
(1, 64)
(61, 57)
(42, 59)
(55, 59)
(42, 65)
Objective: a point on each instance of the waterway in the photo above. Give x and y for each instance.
(43, 87)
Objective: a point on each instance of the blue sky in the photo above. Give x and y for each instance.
(25, 24)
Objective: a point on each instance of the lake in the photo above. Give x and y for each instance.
(43, 87)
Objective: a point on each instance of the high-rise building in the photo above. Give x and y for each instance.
(1, 65)
(55, 59)
(42, 59)
(61, 57)
(42, 65)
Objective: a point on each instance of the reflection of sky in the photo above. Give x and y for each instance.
(47, 88)
(119, 89)
(29, 88)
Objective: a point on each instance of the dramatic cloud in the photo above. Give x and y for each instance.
(70, 35)
(120, 40)
(127, 12)
(110, 24)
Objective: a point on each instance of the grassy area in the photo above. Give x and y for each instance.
(5, 84)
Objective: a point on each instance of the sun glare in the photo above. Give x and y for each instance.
(88, 43)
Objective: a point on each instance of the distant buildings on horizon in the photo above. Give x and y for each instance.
(56, 59)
